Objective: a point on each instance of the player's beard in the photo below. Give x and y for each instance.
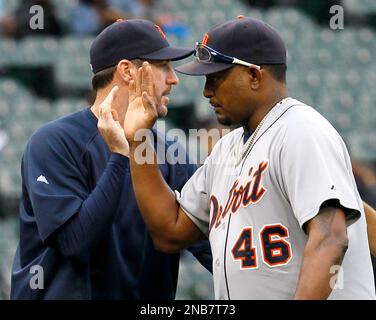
(162, 109)
(224, 121)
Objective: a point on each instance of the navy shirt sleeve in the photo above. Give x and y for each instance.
(78, 237)
(56, 182)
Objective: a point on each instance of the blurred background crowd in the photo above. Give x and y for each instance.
(45, 73)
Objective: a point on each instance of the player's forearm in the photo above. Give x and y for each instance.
(155, 199)
(371, 227)
(79, 235)
(326, 246)
(315, 280)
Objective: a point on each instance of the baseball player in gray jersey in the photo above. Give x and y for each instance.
(276, 197)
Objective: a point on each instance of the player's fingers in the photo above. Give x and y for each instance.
(148, 102)
(100, 111)
(132, 90)
(106, 105)
(107, 102)
(115, 115)
(105, 114)
(147, 83)
(138, 82)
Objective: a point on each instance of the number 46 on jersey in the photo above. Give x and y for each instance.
(276, 250)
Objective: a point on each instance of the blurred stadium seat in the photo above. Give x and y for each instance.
(359, 6)
(9, 52)
(200, 287)
(38, 50)
(62, 9)
(72, 65)
(8, 242)
(10, 5)
(65, 106)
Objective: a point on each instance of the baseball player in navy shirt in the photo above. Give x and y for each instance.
(79, 221)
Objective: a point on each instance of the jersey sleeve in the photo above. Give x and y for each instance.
(55, 184)
(194, 198)
(316, 167)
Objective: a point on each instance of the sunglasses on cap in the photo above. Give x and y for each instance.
(203, 53)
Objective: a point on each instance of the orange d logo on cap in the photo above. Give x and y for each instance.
(205, 39)
(160, 31)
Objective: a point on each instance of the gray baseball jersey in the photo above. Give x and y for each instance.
(253, 210)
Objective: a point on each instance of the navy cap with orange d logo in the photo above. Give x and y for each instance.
(132, 39)
(248, 39)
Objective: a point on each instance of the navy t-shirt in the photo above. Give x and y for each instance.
(68, 172)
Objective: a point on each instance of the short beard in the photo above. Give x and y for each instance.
(162, 112)
(225, 121)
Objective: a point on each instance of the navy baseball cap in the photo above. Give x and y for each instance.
(132, 39)
(244, 38)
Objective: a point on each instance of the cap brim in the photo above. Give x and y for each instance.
(169, 53)
(196, 68)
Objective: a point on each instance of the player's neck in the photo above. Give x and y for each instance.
(265, 106)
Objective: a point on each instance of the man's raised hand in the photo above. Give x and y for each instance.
(109, 126)
(142, 108)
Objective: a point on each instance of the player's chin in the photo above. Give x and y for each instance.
(223, 120)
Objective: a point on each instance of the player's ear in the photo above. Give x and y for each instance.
(124, 70)
(255, 77)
